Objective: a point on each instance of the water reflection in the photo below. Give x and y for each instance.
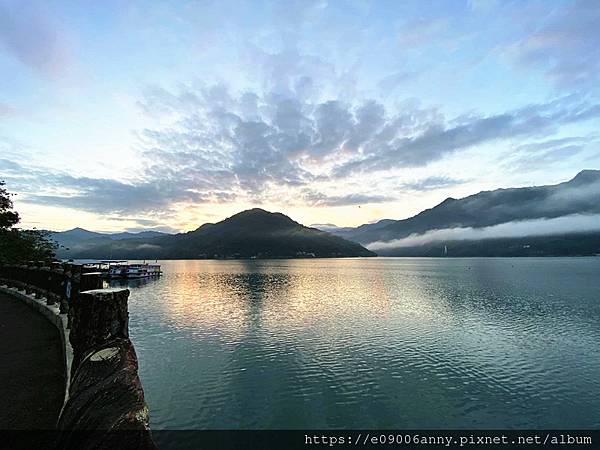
(384, 343)
(131, 283)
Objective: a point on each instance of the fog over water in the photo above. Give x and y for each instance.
(576, 223)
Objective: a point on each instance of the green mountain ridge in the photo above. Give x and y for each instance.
(254, 233)
(262, 234)
(580, 195)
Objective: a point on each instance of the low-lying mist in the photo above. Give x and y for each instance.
(576, 223)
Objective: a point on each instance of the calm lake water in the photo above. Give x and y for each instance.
(371, 343)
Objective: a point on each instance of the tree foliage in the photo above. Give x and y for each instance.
(8, 218)
(18, 245)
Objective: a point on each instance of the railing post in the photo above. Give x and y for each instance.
(38, 281)
(106, 392)
(90, 281)
(75, 289)
(99, 316)
(67, 291)
(30, 283)
(47, 285)
(20, 277)
(12, 276)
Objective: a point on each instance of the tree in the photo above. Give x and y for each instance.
(17, 245)
(8, 218)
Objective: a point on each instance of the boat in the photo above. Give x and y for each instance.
(102, 266)
(132, 271)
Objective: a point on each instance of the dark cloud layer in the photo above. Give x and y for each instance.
(436, 139)
(100, 195)
(274, 139)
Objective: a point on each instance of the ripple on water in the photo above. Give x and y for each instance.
(383, 343)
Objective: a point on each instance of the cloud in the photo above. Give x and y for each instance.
(421, 31)
(263, 139)
(578, 195)
(539, 227)
(313, 198)
(148, 247)
(6, 111)
(214, 145)
(582, 192)
(540, 154)
(482, 5)
(324, 226)
(431, 183)
(27, 33)
(100, 195)
(567, 47)
(390, 82)
(256, 142)
(289, 72)
(144, 224)
(160, 228)
(112, 196)
(490, 208)
(434, 139)
(8, 166)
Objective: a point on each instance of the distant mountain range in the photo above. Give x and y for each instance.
(496, 223)
(561, 219)
(252, 233)
(79, 237)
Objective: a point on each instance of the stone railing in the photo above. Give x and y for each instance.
(50, 282)
(104, 400)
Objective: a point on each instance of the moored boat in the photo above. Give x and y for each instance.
(137, 270)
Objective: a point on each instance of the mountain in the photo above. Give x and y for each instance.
(79, 239)
(78, 234)
(354, 234)
(252, 233)
(579, 196)
(140, 235)
(341, 231)
(561, 219)
(329, 227)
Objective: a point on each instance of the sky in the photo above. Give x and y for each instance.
(131, 115)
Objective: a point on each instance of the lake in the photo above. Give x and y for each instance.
(370, 343)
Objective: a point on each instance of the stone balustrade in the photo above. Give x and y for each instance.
(104, 403)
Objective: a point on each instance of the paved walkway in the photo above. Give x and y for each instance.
(31, 370)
